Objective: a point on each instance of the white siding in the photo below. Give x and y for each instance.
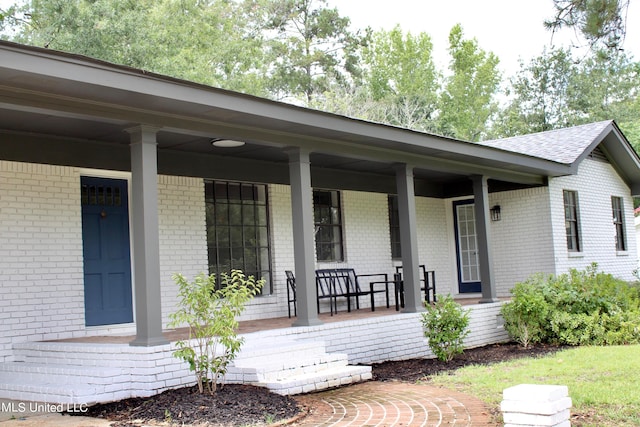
(595, 183)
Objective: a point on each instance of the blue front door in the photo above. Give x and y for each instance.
(107, 260)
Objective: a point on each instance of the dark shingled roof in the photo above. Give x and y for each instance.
(560, 145)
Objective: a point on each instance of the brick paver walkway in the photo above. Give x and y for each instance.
(393, 404)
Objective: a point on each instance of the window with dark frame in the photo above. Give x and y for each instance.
(572, 220)
(394, 227)
(328, 225)
(238, 230)
(618, 222)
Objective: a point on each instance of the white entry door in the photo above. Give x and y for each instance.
(467, 247)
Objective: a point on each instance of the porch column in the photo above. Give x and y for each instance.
(481, 210)
(146, 242)
(303, 241)
(408, 238)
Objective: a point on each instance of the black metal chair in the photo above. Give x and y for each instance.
(355, 288)
(429, 285)
(343, 282)
(291, 292)
(326, 288)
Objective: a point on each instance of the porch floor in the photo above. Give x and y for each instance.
(249, 326)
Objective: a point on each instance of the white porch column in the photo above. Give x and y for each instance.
(146, 242)
(303, 239)
(408, 238)
(481, 210)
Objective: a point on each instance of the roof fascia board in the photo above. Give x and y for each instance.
(74, 68)
(618, 150)
(592, 146)
(76, 108)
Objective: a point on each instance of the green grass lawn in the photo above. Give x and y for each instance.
(604, 382)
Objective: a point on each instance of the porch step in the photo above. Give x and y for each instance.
(31, 383)
(88, 373)
(292, 367)
(321, 380)
(65, 374)
(70, 354)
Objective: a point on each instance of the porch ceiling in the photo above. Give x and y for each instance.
(66, 109)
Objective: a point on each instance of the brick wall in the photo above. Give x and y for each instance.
(595, 183)
(183, 238)
(521, 241)
(41, 287)
(435, 243)
(41, 233)
(397, 337)
(119, 371)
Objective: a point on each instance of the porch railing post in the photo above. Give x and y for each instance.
(408, 238)
(481, 210)
(303, 241)
(146, 241)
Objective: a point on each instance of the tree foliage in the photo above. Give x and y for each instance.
(311, 48)
(601, 22)
(209, 42)
(556, 90)
(468, 100)
(539, 95)
(305, 52)
(402, 78)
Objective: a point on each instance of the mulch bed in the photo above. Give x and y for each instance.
(243, 405)
(415, 369)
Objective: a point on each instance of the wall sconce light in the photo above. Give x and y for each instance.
(226, 143)
(495, 213)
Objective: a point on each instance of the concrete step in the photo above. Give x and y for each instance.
(320, 380)
(294, 367)
(260, 350)
(284, 367)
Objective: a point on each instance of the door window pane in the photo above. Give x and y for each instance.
(467, 243)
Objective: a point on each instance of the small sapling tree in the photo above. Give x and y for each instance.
(211, 317)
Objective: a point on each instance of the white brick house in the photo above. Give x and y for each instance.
(66, 119)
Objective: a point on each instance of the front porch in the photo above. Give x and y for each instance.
(288, 360)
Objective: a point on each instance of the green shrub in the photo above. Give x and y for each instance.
(578, 308)
(445, 326)
(525, 317)
(210, 314)
(596, 328)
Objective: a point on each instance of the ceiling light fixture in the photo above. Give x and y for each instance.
(226, 143)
